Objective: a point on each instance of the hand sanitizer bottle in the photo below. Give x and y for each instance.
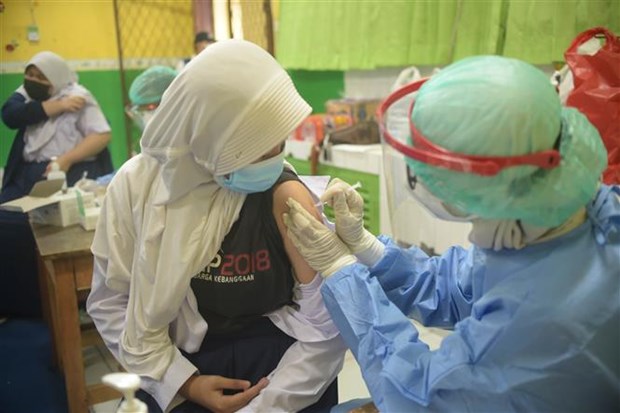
(57, 173)
(126, 383)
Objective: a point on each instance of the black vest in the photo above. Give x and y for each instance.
(251, 275)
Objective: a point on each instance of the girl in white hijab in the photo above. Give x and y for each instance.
(55, 117)
(190, 289)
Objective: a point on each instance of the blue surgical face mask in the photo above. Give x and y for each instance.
(256, 177)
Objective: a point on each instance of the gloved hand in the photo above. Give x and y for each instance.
(321, 248)
(348, 208)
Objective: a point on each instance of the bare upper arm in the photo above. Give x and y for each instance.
(297, 191)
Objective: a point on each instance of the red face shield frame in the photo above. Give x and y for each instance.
(423, 150)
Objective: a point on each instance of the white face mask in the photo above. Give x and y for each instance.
(434, 205)
(140, 117)
(146, 117)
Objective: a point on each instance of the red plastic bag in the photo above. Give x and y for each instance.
(596, 92)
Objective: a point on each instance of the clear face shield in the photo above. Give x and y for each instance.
(140, 115)
(402, 143)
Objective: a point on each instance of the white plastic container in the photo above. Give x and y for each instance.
(62, 210)
(57, 173)
(126, 383)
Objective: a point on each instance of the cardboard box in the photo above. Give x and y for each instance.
(47, 204)
(39, 196)
(357, 109)
(87, 210)
(363, 158)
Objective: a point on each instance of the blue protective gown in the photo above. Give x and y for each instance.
(535, 330)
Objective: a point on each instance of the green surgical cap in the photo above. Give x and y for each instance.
(496, 106)
(150, 85)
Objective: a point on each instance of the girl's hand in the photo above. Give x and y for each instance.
(208, 391)
(73, 103)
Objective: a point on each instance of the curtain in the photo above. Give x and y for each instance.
(540, 31)
(361, 34)
(368, 34)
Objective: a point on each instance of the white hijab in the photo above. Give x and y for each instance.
(64, 83)
(230, 105)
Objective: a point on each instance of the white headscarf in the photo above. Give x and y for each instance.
(64, 83)
(230, 105)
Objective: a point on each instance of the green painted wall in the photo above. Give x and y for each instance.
(104, 85)
(8, 84)
(318, 86)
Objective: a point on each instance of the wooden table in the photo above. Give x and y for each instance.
(65, 274)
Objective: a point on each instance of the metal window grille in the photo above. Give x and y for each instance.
(161, 32)
(150, 32)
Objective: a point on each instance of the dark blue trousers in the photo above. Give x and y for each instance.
(19, 285)
(248, 356)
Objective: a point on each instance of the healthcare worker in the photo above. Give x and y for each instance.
(146, 92)
(534, 304)
(196, 287)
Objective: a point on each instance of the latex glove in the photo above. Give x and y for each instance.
(320, 247)
(348, 206)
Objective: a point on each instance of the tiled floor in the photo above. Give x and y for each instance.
(98, 362)
(350, 383)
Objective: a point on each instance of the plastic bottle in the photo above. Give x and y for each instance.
(57, 173)
(126, 383)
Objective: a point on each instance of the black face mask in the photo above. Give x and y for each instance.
(37, 91)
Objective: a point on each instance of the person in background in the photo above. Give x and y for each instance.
(145, 94)
(201, 41)
(534, 304)
(54, 117)
(195, 285)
